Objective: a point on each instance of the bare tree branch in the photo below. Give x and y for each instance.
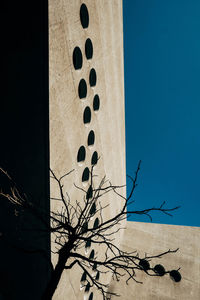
(78, 225)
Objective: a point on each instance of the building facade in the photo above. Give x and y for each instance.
(80, 76)
(63, 108)
(86, 103)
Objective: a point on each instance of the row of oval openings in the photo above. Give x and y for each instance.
(82, 87)
(87, 114)
(85, 228)
(78, 57)
(84, 16)
(160, 270)
(82, 154)
(96, 101)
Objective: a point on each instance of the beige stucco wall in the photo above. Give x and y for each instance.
(154, 239)
(67, 130)
(68, 133)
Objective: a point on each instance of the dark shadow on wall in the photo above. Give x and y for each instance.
(24, 147)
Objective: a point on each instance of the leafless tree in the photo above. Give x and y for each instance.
(82, 224)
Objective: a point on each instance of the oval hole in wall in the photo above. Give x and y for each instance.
(175, 275)
(89, 193)
(159, 270)
(92, 254)
(85, 175)
(94, 158)
(84, 16)
(81, 154)
(87, 288)
(96, 102)
(91, 138)
(88, 49)
(92, 77)
(87, 115)
(77, 58)
(82, 89)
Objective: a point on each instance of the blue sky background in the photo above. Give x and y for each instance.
(162, 94)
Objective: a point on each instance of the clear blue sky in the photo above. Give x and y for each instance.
(162, 94)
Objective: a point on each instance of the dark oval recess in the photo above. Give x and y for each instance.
(92, 77)
(77, 58)
(175, 275)
(97, 275)
(144, 264)
(83, 277)
(84, 227)
(91, 254)
(159, 269)
(85, 175)
(94, 266)
(96, 102)
(88, 49)
(89, 193)
(93, 209)
(96, 223)
(82, 89)
(87, 115)
(88, 244)
(84, 16)
(94, 158)
(87, 288)
(81, 154)
(91, 138)
(91, 296)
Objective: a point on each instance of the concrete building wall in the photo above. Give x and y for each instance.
(67, 129)
(68, 133)
(154, 239)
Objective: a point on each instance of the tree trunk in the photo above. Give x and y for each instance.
(64, 254)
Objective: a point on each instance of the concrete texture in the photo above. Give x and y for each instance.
(154, 239)
(67, 130)
(68, 133)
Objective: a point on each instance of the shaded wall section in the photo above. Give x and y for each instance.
(24, 150)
